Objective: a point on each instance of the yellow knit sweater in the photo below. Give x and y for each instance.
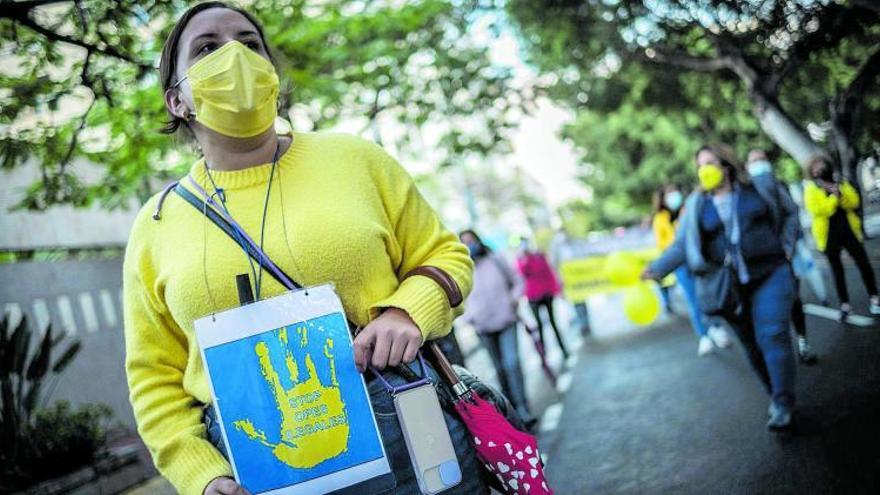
(353, 217)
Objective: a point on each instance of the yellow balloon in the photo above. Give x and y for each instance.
(623, 268)
(641, 304)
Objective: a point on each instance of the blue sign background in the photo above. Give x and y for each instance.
(242, 392)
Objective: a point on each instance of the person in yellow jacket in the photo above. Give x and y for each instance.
(667, 202)
(327, 208)
(836, 226)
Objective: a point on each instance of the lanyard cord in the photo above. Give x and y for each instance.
(221, 195)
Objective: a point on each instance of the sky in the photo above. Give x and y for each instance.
(537, 146)
(538, 149)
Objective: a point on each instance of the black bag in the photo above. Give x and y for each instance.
(718, 291)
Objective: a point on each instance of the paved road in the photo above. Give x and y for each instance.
(646, 415)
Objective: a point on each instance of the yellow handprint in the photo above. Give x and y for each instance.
(314, 422)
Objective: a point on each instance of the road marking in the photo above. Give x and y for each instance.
(551, 417)
(834, 314)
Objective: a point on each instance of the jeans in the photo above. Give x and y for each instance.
(395, 448)
(688, 286)
(503, 348)
(666, 297)
(547, 303)
(798, 318)
(763, 329)
(582, 317)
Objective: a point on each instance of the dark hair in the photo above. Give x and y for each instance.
(732, 166)
(168, 61)
(657, 204)
(818, 159)
(485, 249)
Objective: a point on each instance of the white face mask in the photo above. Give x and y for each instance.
(759, 167)
(673, 200)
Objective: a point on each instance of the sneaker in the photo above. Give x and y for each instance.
(845, 310)
(805, 352)
(719, 337)
(780, 417)
(705, 346)
(875, 305)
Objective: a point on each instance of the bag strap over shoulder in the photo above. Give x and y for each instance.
(227, 228)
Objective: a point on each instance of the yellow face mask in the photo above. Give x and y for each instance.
(711, 176)
(234, 90)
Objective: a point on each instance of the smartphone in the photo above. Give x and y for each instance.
(427, 439)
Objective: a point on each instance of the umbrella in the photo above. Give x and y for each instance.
(510, 455)
(539, 346)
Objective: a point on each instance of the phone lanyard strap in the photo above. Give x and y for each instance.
(425, 380)
(240, 235)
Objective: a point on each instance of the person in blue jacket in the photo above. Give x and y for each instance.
(749, 227)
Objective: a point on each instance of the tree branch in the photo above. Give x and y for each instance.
(836, 23)
(869, 71)
(52, 35)
(75, 139)
(17, 9)
(867, 4)
(685, 61)
(846, 105)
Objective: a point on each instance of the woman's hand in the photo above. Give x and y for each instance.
(225, 486)
(389, 340)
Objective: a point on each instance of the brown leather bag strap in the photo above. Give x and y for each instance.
(441, 278)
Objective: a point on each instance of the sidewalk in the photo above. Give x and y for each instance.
(646, 415)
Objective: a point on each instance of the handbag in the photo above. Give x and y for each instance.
(718, 291)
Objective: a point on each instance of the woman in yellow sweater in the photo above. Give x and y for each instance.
(341, 210)
(836, 226)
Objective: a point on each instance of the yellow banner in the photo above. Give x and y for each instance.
(585, 277)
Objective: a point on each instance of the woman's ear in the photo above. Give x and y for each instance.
(175, 104)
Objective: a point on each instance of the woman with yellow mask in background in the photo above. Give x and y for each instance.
(836, 226)
(736, 237)
(326, 208)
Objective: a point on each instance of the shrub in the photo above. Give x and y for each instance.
(38, 443)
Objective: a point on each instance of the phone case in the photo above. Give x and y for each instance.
(427, 439)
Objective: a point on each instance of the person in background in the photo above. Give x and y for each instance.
(562, 249)
(491, 309)
(541, 289)
(668, 203)
(836, 226)
(760, 169)
(731, 223)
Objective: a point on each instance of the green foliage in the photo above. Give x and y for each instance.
(651, 80)
(93, 94)
(65, 439)
(25, 370)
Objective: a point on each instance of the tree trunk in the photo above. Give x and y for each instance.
(845, 152)
(782, 129)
